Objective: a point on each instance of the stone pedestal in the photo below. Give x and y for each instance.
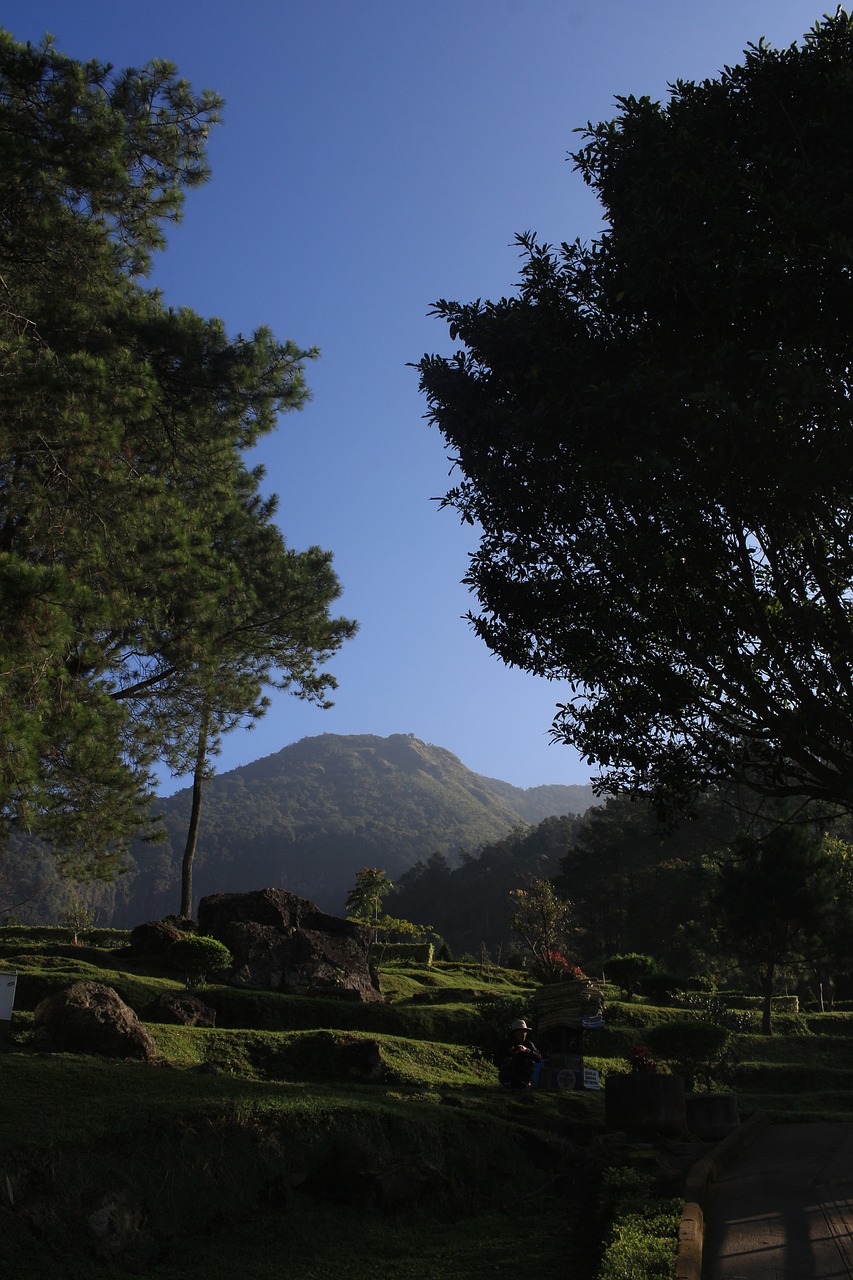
(712, 1116)
(648, 1104)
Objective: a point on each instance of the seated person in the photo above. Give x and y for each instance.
(516, 1057)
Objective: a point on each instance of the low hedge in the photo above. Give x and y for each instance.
(829, 1024)
(408, 952)
(778, 1004)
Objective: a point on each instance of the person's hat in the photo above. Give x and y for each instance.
(519, 1025)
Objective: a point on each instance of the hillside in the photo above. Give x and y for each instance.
(535, 804)
(309, 816)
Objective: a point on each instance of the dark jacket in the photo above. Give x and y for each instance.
(513, 1063)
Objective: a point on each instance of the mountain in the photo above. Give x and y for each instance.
(535, 804)
(310, 816)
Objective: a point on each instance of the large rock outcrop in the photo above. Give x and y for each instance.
(281, 942)
(89, 1017)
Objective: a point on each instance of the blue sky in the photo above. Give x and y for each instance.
(376, 156)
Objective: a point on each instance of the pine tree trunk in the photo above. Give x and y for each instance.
(195, 818)
(766, 1011)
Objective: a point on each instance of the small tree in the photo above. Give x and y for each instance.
(196, 957)
(364, 906)
(78, 918)
(364, 900)
(544, 922)
(628, 970)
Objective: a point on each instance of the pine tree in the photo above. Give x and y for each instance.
(130, 599)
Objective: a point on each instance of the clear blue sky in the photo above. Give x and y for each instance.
(375, 156)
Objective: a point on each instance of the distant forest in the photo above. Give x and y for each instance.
(636, 884)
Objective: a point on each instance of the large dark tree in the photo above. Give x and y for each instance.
(137, 560)
(654, 437)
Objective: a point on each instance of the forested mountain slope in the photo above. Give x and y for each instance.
(309, 816)
(534, 804)
(304, 819)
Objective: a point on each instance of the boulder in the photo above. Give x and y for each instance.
(89, 1017)
(155, 937)
(180, 1009)
(281, 942)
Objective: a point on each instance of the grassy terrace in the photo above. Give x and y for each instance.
(243, 1151)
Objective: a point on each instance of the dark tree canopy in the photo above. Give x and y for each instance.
(654, 437)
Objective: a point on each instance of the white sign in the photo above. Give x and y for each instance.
(590, 1078)
(8, 982)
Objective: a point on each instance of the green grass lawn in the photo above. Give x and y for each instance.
(244, 1152)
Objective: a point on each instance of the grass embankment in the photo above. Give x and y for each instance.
(245, 1153)
(248, 1151)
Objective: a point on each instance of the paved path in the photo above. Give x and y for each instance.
(784, 1210)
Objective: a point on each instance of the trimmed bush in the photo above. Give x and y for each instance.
(778, 1004)
(196, 957)
(665, 988)
(628, 970)
(710, 1008)
(829, 1024)
(691, 1047)
(659, 988)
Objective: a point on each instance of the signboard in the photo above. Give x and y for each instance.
(8, 982)
(561, 1071)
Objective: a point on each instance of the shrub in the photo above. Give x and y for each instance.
(643, 1246)
(555, 966)
(692, 1046)
(642, 1232)
(641, 1061)
(622, 1190)
(196, 957)
(711, 1008)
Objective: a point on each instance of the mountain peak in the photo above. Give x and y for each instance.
(307, 817)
